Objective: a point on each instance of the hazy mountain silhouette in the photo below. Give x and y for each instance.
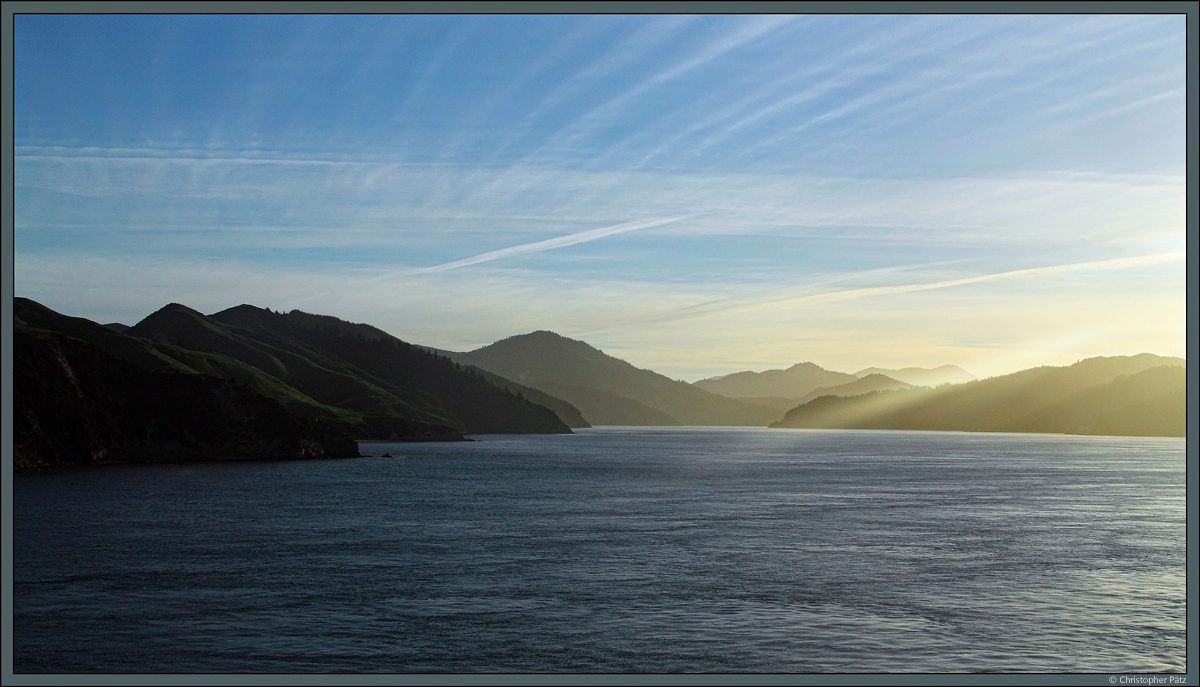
(918, 376)
(794, 383)
(609, 409)
(606, 389)
(1136, 395)
(566, 412)
(74, 404)
(862, 385)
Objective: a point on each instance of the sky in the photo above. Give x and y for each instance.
(697, 195)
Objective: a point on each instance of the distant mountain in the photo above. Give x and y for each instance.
(610, 409)
(794, 383)
(863, 385)
(566, 412)
(917, 376)
(75, 405)
(1142, 395)
(606, 389)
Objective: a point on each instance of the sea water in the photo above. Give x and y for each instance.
(617, 550)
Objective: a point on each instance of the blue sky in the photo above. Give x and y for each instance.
(696, 194)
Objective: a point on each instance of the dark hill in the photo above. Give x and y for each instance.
(352, 376)
(76, 405)
(602, 386)
(312, 374)
(566, 412)
(315, 362)
(609, 409)
(432, 383)
(141, 353)
(159, 356)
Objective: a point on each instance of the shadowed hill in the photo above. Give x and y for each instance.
(352, 366)
(402, 369)
(566, 412)
(188, 329)
(353, 376)
(609, 409)
(159, 356)
(602, 386)
(1136, 395)
(795, 382)
(131, 349)
(75, 405)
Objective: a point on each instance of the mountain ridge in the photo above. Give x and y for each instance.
(303, 362)
(920, 376)
(794, 382)
(1040, 399)
(598, 383)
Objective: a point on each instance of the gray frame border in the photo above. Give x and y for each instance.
(7, 286)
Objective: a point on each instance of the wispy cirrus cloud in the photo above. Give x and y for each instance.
(780, 298)
(776, 183)
(549, 244)
(1025, 273)
(614, 109)
(386, 201)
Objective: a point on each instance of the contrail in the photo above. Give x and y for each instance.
(1116, 263)
(548, 244)
(716, 307)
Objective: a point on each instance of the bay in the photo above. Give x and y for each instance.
(615, 549)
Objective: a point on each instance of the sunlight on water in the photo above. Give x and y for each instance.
(618, 549)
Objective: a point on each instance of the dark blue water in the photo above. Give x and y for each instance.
(616, 549)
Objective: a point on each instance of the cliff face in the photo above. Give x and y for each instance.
(76, 405)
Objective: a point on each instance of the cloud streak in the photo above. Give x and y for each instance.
(549, 244)
(724, 306)
(1117, 263)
